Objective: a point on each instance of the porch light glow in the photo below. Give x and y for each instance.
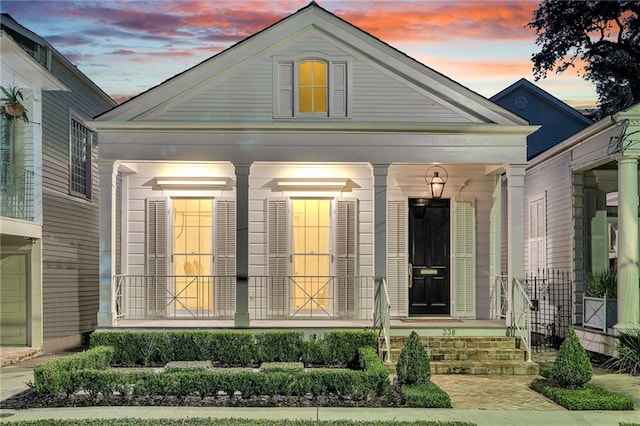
(316, 184)
(435, 181)
(199, 183)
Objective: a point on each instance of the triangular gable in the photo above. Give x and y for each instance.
(557, 119)
(463, 104)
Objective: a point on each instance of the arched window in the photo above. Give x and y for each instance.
(312, 86)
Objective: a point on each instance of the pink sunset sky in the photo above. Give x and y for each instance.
(127, 47)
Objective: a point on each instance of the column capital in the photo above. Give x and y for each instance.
(242, 169)
(380, 169)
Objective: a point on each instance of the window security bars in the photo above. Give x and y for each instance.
(550, 294)
(16, 192)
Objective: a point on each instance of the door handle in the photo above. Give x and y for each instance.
(410, 275)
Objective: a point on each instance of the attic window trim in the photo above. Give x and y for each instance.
(294, 61)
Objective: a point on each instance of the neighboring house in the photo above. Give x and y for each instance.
(556, 119)
(286, 178)
(49, 196)
(584, 191)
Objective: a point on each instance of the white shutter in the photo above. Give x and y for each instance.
(277, 256)
(346, 229)
(465, 259)
(597, 229)
(285, 90)
(156, 253)
(537, 233)
(225, 257)
(339, 90)
(397, 257)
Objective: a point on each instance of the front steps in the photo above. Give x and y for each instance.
(469, 355)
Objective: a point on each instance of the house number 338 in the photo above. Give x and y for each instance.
(448, 331)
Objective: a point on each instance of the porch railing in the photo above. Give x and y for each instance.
(499, 297)
(382, 316)
(213, 297)
(311, 297)
(175, 296)
(16, 192)
(520, 307)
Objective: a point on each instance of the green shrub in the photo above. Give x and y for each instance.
(588, 397)
(235, 348)
(628, 349)
(58, 375)
(602, 284)
(427, 395)
(280, 346)
(376, 371)
(572, 367)
(342, 346)
(413, 367)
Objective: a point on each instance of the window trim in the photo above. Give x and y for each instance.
(87, 194)
(295, 61)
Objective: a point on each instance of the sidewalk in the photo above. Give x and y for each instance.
(484, 400)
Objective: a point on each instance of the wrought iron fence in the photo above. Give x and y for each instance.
(16, 192)
(550, 294)
(311, 297)
(175, 296)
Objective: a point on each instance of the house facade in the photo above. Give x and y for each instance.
(49, 196)
(287, 178)
(585, 190)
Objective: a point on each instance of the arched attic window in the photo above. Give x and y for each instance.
(312, 86)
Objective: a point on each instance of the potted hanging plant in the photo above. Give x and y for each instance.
(11, 104)
(600, 308)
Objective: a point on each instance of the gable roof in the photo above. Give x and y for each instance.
(524, 84)
(315, 16)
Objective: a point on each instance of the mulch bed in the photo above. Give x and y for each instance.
(29, 399)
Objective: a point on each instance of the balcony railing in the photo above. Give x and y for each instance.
(146, 297)
(16, 192)
(311, 297)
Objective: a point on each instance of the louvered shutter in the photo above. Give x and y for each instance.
(346, 229)
(285, 89)
(156, 253)
(225, 257)
(536, 237)
(339, 88)
(397, 257)
(597, 229)
(465, 259)
(277, 257)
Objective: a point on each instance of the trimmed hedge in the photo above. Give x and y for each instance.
(195, 421)
(233, 348)
(278, 367)
(182, 378)
(588, 397)
(427, 395)
(59, 375)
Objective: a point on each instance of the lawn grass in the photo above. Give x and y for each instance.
(589, 397)
(232, 422)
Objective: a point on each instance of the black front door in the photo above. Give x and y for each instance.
(429, 257)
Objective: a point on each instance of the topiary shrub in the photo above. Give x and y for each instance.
(414, 367)
(572, 368)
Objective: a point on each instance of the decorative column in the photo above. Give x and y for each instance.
(108, 171)
(515, 227)
(628, 245)
(241, 319)
(380, 172)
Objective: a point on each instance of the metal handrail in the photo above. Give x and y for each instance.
(520, 307)
(499, 296)
(382, 315)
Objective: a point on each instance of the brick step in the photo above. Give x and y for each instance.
(501, 342)
(478, 368)
(464, 354)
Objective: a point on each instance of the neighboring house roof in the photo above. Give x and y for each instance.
(474, 107)
(557, 119)
(8, 23)
(24, 65)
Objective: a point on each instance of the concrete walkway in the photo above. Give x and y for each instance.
(484, 400)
